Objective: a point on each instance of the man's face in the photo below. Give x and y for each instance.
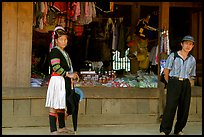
(187, 45)
(147, 19)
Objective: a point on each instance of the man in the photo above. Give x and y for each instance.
(139, 49)
(142, 27)
(177, 73)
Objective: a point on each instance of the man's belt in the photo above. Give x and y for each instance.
(179, 78)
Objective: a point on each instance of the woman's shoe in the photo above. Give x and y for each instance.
(65, 130)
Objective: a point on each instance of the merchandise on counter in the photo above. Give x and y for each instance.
(108, 79)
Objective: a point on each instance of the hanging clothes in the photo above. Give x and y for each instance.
(164, 42)
(77, 11)
(122, 40)
(115, 35)
(153, 55)
(39, 13)
(61, 6)
(85, 12)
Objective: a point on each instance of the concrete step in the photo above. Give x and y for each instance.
(192, 128)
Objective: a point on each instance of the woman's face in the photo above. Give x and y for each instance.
(62, 41)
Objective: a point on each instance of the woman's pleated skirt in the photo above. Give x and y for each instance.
(56, 93)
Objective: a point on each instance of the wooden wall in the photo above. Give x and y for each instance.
(17, 18)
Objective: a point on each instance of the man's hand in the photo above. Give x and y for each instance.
(160, 30)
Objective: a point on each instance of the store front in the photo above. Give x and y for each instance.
(101, 101)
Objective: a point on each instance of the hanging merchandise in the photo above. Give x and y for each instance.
(40, 13)
(60, 6)
(51, 19)
(164, 49)
(84, 13)
(164, 42)
(78, 30)
(63, 9)
(167, 42)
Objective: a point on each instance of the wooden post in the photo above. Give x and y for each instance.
(17, 43)
(163, 22)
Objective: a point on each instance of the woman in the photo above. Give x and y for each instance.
(60, 81)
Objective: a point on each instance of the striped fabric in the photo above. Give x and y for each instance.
(181, 68)
(55, 62)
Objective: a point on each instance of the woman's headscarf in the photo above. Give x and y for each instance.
(52, 44)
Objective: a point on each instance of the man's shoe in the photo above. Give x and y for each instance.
(54, 133)
(162, 133)
(180, 133)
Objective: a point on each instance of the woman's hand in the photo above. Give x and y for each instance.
(73, 76)
(76, 77)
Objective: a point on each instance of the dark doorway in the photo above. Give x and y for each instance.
(179, 26)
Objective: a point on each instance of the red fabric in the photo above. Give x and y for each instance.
(131, 43)
(53, 114)
(55, 74)
(71, 9)
(61, 6)
(78, 29)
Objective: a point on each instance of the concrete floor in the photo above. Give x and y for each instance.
(192, 128)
